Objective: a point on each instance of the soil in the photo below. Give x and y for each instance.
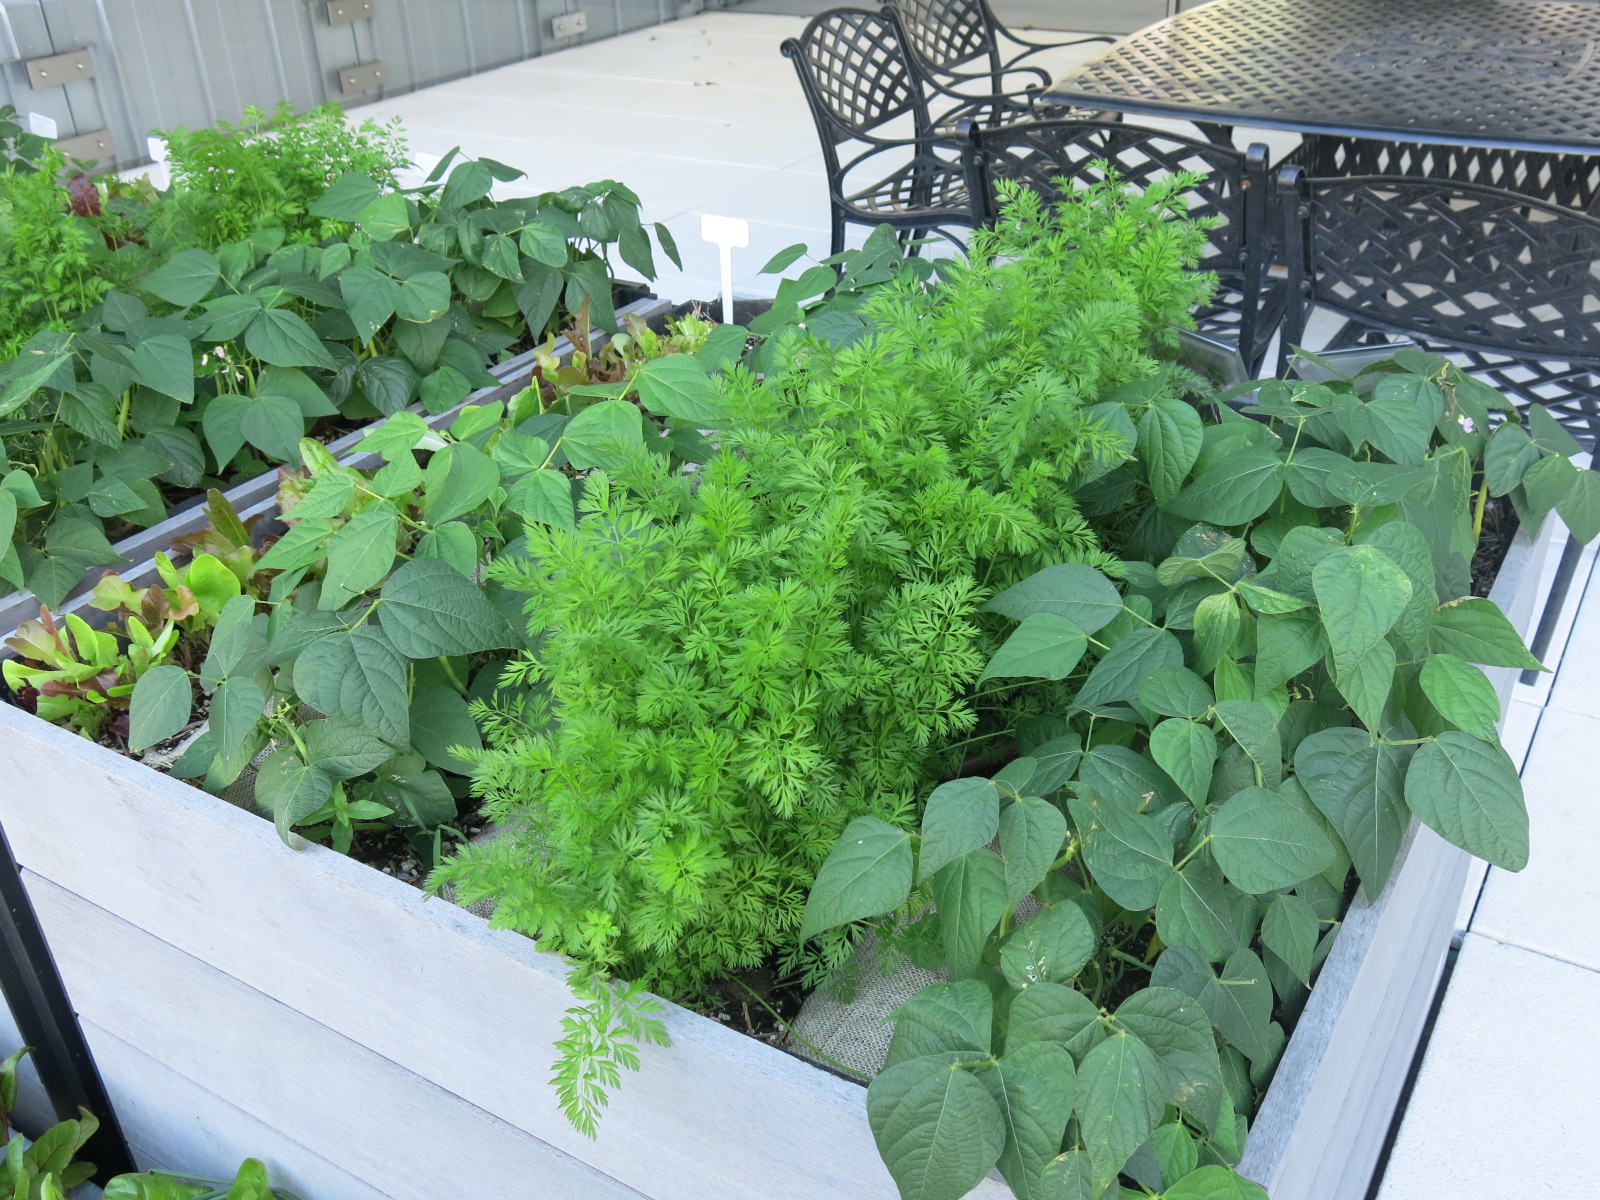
(758, 1003)
(391, 851)
(1499, 528)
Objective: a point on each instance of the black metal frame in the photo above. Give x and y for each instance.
(1498, 278)
(857, 78)
(1570, 180)
(945, 37)
(1558, 367)
(1236, 187)
(47, 1022)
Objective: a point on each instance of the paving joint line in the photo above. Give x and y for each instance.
(1555, 958)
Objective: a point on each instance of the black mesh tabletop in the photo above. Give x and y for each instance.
(1515, 73)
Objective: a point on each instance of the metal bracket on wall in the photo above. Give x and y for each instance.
(96, 145)
(365, 78)
(60, 69)
(347, 12)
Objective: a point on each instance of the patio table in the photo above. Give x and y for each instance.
(1517, 74)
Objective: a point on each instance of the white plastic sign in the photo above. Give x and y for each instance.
(727, 234)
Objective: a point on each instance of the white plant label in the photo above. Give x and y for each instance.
(727, 234)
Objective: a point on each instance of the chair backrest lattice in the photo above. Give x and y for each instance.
(1570, 180)
(1040, 154)
(1458, 263)
(949, 34)
(856, 74)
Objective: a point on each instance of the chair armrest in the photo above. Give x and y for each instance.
(922, 152)
(1294, 196)
(987, 77)
(1035, 47)
(1020, 103)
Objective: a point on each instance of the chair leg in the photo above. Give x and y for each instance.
(838, 233)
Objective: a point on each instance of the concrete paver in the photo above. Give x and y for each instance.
(1549, 907)
(1505, 1105)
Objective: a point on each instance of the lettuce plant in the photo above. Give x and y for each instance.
(1130, 913)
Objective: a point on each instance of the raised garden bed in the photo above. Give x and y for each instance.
(313, 1011)
(285, 991)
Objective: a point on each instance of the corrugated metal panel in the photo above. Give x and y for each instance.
(160, 64)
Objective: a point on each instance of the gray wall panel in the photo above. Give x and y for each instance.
(160, 64)
(234, 36)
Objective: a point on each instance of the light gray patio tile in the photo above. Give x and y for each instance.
(1505, 1106)
(800, 200)
(673, 186)
(784, 139)
(1549, 906)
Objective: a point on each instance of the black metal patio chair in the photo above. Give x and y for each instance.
(1235, 186)
(1506, 285)
(865, 94)
(955, 44)
(1502, 282)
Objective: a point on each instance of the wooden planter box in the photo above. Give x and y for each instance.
(258, 495)
(366, 1042)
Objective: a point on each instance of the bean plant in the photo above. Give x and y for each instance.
(1276, 678)
(67, 239)
(20, 149)
(338, 660)
(216, 364)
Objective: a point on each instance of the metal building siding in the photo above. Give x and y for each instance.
(165, 63)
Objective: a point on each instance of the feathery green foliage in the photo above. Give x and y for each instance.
(268, 171)
(739, 661)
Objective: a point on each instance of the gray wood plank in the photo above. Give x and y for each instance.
(717, 1114)
(172, 1123)
(246, 1051)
